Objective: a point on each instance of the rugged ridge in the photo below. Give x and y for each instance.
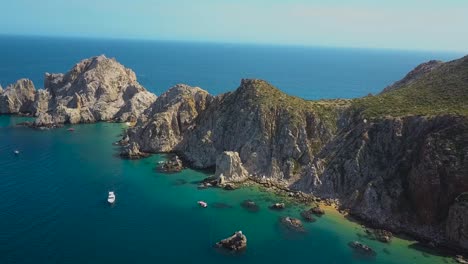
(95, 89)
(398, 160)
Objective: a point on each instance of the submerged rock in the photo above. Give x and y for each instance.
(250, 206)
(235, 243)
(307, 215)
(292, 223)
(379, 234)
(362, 249)
(316, 210)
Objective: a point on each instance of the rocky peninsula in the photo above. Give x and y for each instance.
(397, 160)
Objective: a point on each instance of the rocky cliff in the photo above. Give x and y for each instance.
(18, 98)
(95, 89)
(398, 160)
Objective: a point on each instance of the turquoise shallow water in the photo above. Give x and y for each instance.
(53, 209)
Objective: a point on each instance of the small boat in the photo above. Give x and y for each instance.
(71, 129)
(16, 152)
(111, 197)
(202, 204)
(128, 123)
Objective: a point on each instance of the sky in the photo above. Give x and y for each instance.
(394, 24)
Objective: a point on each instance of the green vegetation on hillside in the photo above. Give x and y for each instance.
(442, 91)
(270, 97)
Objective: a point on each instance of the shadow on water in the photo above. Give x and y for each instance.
(428, 251)
(250, 206)
(179, 182)
(219, 205)
(288, 233)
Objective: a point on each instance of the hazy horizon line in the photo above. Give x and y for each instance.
(226, 42)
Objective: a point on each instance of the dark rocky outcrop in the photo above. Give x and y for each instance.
(235, 243)
(174, 164)
(362, 249)
(307, 215)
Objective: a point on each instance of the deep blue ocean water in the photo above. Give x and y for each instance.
(53, 194)
(308, 72)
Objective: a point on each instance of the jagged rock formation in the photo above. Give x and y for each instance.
(170, 117)
(229, 167)
(95, 89)
(397, 160)
(18, 98)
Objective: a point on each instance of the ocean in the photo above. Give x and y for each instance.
(53, 194)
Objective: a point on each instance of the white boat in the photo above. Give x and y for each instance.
(202, 204)
(111, 197)
(16, 152)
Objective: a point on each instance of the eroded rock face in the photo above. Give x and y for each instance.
(96, 89)
(403, 173)
(229, 167)
(18, 98)
(163, 126)
(457, 222)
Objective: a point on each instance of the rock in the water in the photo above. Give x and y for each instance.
(132, 151)
(307, 215)
(316, 210)
(250, 206)
(379, 234)
(362, 249)
(278, 206)
(460, 259)
(174, 164)
(229, 166)
(237, 242)
(292, 223)
(18, 98)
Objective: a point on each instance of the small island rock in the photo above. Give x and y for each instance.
(237, 242)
